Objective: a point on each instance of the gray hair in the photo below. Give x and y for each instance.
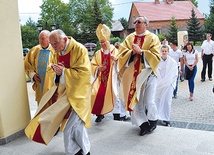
(144, 19)
(59, 33)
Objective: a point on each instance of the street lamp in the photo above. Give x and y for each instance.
(39, 26)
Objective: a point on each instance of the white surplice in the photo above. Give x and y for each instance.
(166, 83)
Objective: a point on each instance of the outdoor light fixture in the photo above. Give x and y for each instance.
(40, 27)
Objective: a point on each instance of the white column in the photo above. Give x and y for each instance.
(14, 106)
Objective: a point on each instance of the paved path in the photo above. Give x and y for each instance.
(121, 138)
(196, 114)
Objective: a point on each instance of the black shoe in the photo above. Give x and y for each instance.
(116, 117)
(202, 80)
(175, 96)
(144, 128)
(210, 79)
(152, 125)
(167, 123)
(79, 152)
(99, 118)
(124, 118)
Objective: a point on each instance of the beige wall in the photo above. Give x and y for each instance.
(14, 107)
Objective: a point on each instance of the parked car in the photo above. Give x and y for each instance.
(25, 51)
(90, 46)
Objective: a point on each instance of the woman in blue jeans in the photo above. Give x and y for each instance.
(191, 60)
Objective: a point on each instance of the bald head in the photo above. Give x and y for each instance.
(44, 38)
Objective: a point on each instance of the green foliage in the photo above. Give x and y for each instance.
(194, 28)
(78, 19)
(209, 20)
(124, 22)
(86, 15)
(114, 40)
(161, 36)
(173, 29)
(55, 12)
(195, 2)
(30, 34)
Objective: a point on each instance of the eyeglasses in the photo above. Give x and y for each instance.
(138, 22)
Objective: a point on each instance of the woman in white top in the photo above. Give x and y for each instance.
(190, 60)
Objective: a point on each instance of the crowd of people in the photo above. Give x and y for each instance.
(138, 76)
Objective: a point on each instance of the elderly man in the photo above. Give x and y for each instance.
(36, 63)
(106, 84)
(139, 56)
(71, 67)
(70, 70)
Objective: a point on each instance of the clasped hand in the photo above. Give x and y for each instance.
(102, 68)
(136, 49)
(191, 68)
(58, 68)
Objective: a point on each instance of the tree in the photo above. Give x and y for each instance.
(124, 22)
(194, 28)
(78, 19)
(173, 29)
(56, 12)
(30, 34)
(89, 15)
(209, 20)
(195, 2)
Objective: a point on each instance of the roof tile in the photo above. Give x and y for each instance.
(163, 11)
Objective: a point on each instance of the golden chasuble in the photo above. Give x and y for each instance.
(75, 93)
(34, 60)
(99, 101)
(137, 58)
(151, 51)
(103, 96)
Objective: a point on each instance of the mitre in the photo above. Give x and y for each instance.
(103, 32)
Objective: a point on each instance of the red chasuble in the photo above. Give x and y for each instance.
(137, 58)
(99, 101)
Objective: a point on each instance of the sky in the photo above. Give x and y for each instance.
(30, 8)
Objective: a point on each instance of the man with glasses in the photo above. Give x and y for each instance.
(139, 56)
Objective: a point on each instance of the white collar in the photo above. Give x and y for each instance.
(63, 51)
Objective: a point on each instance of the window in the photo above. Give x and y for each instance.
(157, 31)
